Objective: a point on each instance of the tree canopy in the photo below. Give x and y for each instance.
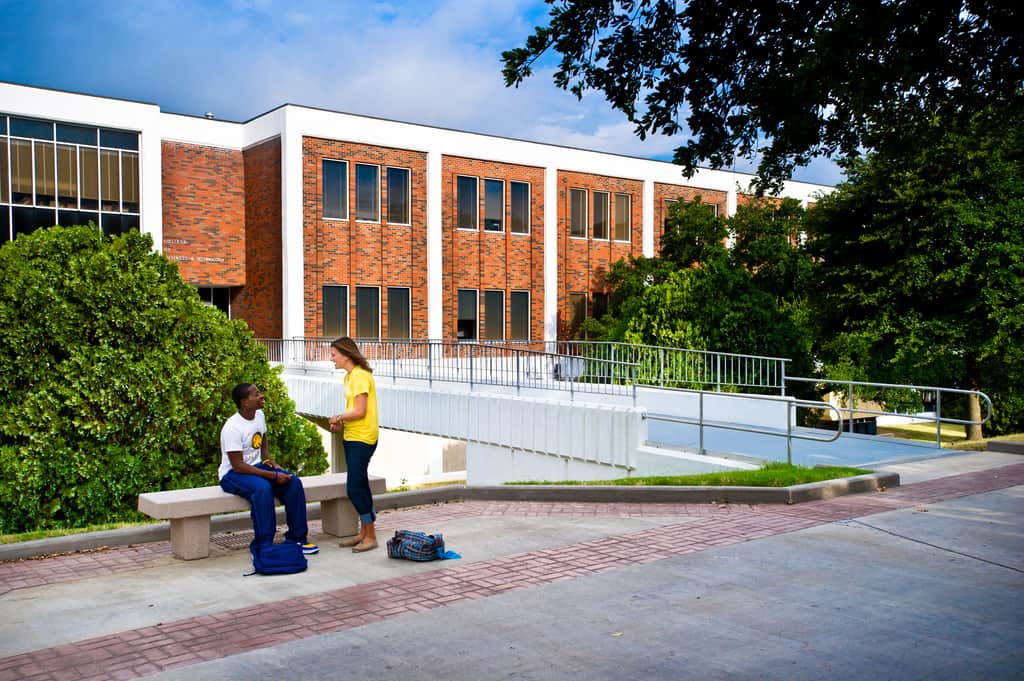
(920, 273)
(117, 380)
(783, 80)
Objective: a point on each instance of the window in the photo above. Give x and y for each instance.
(67, 176)
(5, 187)
(494, 315)
(21, 172)
(467, 320)
(519, 315)
(367, 193)
(367, 312)
(335, 196)
(399, 198)
(113, 224)
(600, 229)
(129, 182)
(600, 307)
(469, 206)
(577, 313)
(89, 169)
(494, 205)
(623, 216)
(110, 181)
(520, 206)
(578, 212)
(46, 168)
(335, 312)
(219, 298)
(398, 313)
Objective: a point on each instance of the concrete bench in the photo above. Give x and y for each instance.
(189, 510)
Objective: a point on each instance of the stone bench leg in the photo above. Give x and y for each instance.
(190, 537)
(339, 518)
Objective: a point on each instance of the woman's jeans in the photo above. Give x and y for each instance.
(357, 460)
(260, 494)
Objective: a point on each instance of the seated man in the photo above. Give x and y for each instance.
(246, 471)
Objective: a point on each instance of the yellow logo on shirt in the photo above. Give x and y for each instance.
(257, 440)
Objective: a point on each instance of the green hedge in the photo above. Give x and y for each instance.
(116, 380)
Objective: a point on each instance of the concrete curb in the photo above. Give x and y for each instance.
(601, 494)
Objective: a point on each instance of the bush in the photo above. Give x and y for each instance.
(116, 381)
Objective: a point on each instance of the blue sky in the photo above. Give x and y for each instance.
(435, 62)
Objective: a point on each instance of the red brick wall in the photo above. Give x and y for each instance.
(351, 253)
(483, 259)
(674, 192)
(583, 262)
(259, 301)
(204, 213)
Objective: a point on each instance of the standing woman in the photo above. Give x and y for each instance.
(358, 426)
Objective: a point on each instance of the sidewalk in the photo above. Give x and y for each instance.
(922, 581)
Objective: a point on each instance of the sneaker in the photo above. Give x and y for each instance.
(309, 549)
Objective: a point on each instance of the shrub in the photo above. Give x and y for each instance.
(116, 381)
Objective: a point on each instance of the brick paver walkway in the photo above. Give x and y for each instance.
(139, 652)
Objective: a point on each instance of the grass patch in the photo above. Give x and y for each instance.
(61, 532)
(951, 432)
(426, 485)
(981, 445)
(772, 474)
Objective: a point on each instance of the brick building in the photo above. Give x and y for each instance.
(306, 222)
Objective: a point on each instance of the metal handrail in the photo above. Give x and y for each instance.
(938, 418)
(496, 364)
(790, 434)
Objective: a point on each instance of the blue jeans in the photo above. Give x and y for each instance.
(260, 493)
(357, 460)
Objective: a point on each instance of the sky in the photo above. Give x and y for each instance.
(430, 62)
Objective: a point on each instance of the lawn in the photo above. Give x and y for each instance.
(772, 474)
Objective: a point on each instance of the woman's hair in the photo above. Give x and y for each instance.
(348, 347)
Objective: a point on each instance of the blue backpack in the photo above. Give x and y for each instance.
(277, 559)
(418, 546)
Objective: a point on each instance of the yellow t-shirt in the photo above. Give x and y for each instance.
(357, 382)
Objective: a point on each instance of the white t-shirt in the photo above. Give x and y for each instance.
(240, 434)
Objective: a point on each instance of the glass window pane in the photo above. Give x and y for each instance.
(623, 216)
(367, 312)
(469, 206)
(577, 212)
(398, 196)
(600, 308)
(67, 176)
(520, 208)
(5, 224)
(110, 181)
(130, 182)
(5, 188)
(76, 133)
(28, 219)
(335, 312)
(88, 168)
(113, 224)
(335, 197)
(367, 192)
(519, 315)
(494, 315)
(466, 326)
(118, 139)
(577, 313)
(600, 215)
(77, 217)
(46, 174)
(3, 125)
(21, 172)
(398, 313)
(24, 127)
(494, 205)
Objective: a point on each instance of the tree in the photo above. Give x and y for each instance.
(788, 80)
(921, 273)
(700, 295)
(117, 380)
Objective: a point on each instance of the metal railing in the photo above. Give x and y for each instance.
(683, 368)
(920, 396)
(790, 433)
(493, 364)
